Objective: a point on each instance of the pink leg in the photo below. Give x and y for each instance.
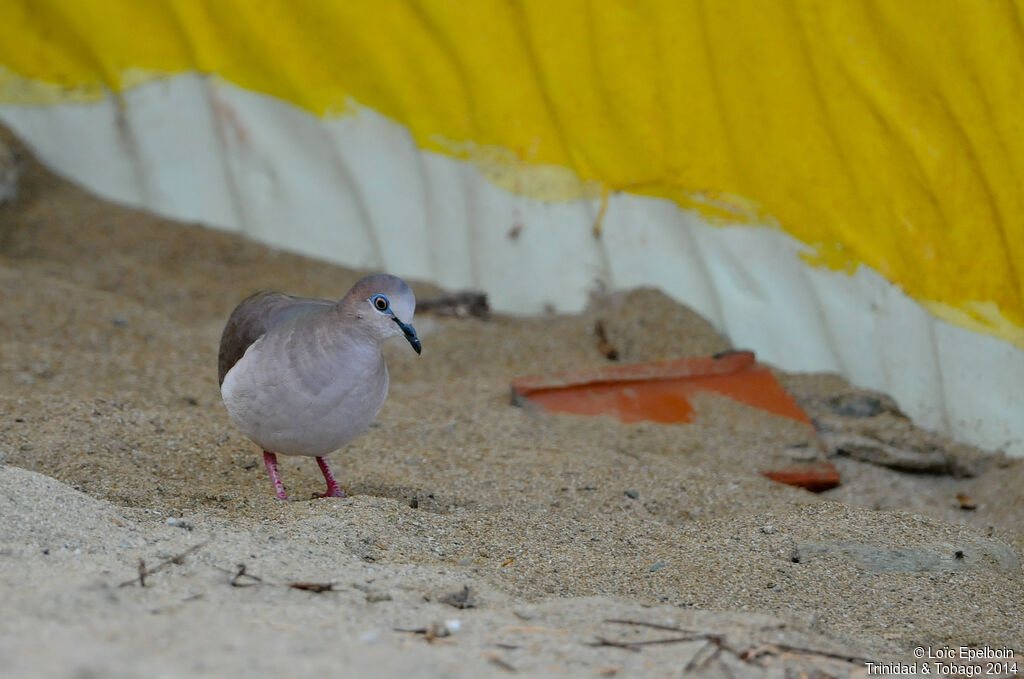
(270, 460)
(333, 489)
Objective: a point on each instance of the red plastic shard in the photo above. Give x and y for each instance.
(814, 476)
(659, 391)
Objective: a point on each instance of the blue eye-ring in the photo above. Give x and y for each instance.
(380, 302)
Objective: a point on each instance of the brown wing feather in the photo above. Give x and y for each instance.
(252, 319)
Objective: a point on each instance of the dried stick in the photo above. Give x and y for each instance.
(177, 560)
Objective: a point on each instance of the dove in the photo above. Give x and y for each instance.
(304, 376)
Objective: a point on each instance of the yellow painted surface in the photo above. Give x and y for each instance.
(882, 133)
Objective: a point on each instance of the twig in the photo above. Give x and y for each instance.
(716, 641)
(845, 657)
(317, 587)
(242, 574)
(177, 560)
(609, 350)
(601, 641)
(253, 580)
(670, 640)
(636, 645)
(496, 660)
(717, 645)
(431, 633)
(652, 625)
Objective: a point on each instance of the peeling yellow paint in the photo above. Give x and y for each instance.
(20, 90)
(880, 133)
(983, 317)
(507, 169)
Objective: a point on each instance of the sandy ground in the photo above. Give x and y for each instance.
(115, 449)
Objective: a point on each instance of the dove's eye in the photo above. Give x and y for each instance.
(380, 302)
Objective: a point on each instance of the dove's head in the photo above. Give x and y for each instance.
(384, 305)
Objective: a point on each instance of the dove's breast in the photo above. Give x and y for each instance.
(305, 394)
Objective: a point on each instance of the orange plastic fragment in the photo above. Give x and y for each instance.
(659, 391)
(814, 476)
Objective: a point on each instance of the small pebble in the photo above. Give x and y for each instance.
(658, 566)
(442, 629)
(768, 530)
(180, 523)
(459, 599)
(632, 494)
(857, 405)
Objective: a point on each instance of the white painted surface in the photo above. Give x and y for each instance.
(357, 191)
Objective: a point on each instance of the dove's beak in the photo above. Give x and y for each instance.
(410, 334)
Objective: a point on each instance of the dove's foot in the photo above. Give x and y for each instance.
(333, 489)
(270, 460)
